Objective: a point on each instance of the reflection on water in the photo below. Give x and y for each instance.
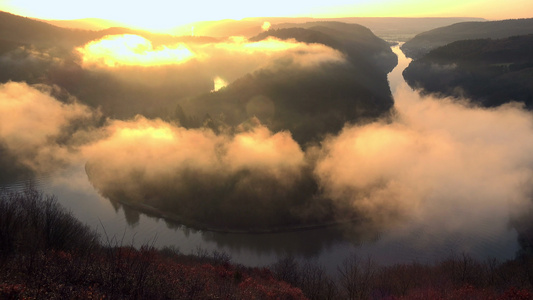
(395, 77)
(328, 246)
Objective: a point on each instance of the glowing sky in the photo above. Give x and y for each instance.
(132, 50)
(164, 14)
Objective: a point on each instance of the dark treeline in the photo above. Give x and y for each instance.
(46, 253)
(246, 201)
(488, 72)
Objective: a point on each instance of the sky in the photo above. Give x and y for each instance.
(164, 14)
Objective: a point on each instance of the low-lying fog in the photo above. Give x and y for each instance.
(437, 176)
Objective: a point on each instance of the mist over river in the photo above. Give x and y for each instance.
(436, 228)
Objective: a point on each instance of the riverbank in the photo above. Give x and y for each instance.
(157, 213)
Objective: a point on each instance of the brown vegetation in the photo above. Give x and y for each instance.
(45, 253)
(458, 277)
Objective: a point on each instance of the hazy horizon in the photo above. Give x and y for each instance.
(163, 16)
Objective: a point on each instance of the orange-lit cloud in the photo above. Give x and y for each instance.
(132, 50)
(260, 150)
(35, 126)
(224, 61)
(422, 165)
(165, 146)
(238, 56)
(197, 174)
(269, 46)
(173, 149)
(435, 162)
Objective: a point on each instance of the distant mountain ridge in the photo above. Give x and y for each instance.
(426, 41)
(25, 30)
(389, 28)
(385, 27)
(86, 24)
(21, 30)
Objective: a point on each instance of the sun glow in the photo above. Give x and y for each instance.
(266, 26)
(219, 83)
(270, 45)
(150, 133)
(132, 50)
(115, 51)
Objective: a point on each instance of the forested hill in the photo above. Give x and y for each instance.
(356, 41)
(311, 103)
(19, 29)
(426, 41)
(489, 72)
(515, 49)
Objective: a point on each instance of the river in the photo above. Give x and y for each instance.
(327, 246)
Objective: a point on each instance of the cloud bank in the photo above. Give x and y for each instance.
(39, 130)
(126, 74)
(440, 163)
(252, 178)
(224, 57)
(131, 50)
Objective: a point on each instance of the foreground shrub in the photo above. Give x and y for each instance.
(47, 254)
(128, 273)
(457, 277)
(31, 221)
